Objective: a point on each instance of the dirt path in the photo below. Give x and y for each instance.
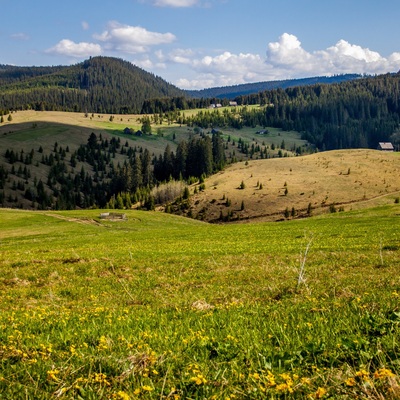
(84, 221)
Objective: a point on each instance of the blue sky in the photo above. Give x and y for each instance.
(196, 44)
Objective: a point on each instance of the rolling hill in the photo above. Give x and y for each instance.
(296, 187)
(44, 143)
(48, 146)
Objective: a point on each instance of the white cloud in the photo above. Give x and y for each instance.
(85, 25)
(68, 48)
(175, 3)
(285, 59)
(196, 69)
(221, 70)
(144, 63)
(132, 39)
(288, 52)
(20, 36)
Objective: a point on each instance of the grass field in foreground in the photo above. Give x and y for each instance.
(160, 307)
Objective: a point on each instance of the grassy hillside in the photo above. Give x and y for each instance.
(159, 306)
(322, 182)
(33, 130)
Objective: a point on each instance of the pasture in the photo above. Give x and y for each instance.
(28, 128)
(162, 307)
(321, 182)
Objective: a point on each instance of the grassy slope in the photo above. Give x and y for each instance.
(160, 306)
(31, 129)
(351, 178)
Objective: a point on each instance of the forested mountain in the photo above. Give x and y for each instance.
(230, 92)
(100, 84)
(354, 114)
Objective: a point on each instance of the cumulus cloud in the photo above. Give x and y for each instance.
(287, 51)
(132, 39)
(222, 70)
(284, 59)
(344, 57)
(69, 48)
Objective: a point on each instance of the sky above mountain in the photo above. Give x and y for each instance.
(197, 44)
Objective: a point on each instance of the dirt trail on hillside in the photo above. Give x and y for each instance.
(84, 221)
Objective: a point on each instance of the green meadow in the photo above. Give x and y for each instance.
(162, 307)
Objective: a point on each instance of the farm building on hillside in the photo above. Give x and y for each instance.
(113, 216)
(385, 146)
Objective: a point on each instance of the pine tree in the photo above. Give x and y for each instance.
(137, 177)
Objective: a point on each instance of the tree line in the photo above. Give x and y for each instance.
(354, 114)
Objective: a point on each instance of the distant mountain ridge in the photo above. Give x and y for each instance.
(231, 92)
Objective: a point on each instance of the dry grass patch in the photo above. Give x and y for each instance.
(343, 178)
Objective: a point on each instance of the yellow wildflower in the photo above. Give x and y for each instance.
(52, 375)
(350, 382)
(283, 387)
(103, 343)
(122, 395)
(383, 373)
(362, 373)
(320, 393)
(306, 381)
(199, 379)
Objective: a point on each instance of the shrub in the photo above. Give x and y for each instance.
(168, 192)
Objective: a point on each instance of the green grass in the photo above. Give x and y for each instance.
(30, 134)
(164, 307)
